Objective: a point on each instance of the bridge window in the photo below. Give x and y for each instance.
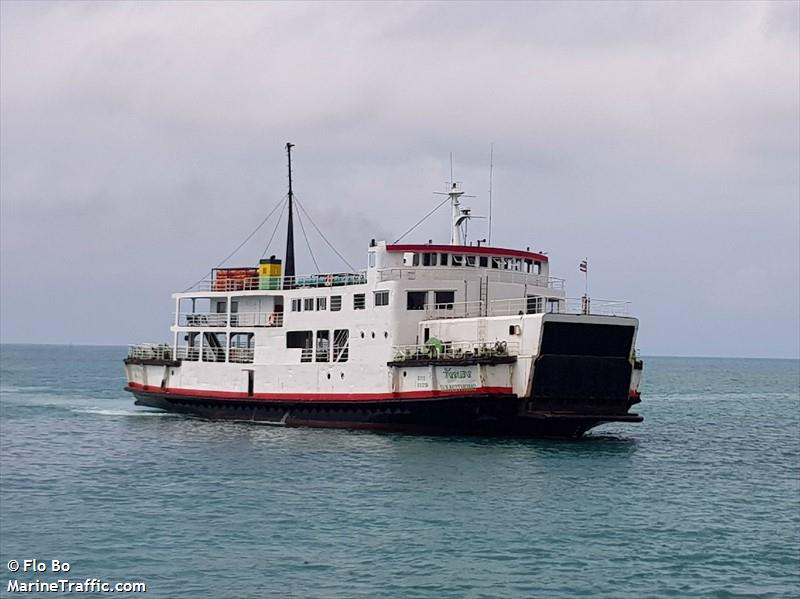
(484, 261)
(416, 300)
(534, 304)
(381, 298)
(458, 260)
(470, 260)
(497, 262)
(359, 301)
(444, 299)
(341, 342)
(443, 257)
(336, 303)
(429, 259)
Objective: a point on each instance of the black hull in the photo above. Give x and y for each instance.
(473, 414)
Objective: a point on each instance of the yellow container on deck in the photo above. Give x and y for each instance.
(269, 273)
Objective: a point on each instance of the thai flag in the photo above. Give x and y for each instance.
(584, 266)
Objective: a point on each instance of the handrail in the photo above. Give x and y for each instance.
(162, 351)
(528, 305)
(279, 283)
(457, 273)
(151, 351)
(238, 319)
(455, 350)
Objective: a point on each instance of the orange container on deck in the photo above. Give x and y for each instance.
(234, 279)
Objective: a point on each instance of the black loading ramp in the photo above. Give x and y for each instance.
(584, 367)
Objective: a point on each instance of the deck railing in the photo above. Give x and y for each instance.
(494, 276)
(161, 351)
(455, 350)
(278, 283)
(528, 305)
(151, 351)
(237, 319)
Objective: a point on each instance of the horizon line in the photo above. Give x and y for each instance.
(645, 355)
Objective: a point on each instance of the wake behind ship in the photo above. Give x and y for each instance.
(449, 338)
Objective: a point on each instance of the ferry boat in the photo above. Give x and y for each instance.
(433, 338)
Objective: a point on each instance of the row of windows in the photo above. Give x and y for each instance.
(310, 304)
(415, 300)
(497, 262)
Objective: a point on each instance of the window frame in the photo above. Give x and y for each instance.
(382, 293)
(409, 293)
(359, 301)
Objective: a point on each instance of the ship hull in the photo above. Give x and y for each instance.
(470, 414)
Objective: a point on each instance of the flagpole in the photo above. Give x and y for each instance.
(586, 277)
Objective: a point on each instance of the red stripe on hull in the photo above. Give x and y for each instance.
(320, 397)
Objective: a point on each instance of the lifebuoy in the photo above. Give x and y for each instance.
(329, 281)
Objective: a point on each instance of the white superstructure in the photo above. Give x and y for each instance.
(420, 322)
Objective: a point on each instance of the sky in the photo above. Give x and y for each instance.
(140, 143)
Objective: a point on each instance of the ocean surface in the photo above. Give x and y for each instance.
(701, 500)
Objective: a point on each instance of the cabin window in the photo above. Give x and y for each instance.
(341, 342)
(470, 260)
(372, 259)
(308, 304)
(322, 303)
(458, 260)
(497, 262)
(444, 299)
(336, 303)
(300, 340)
(443, 257)
(534, 304)
(552, 305)
(381, 298)
(323, 346)
(416, 300)
(359, 301)
(297, 304)
(483, 261)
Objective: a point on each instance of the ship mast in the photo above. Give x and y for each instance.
(289, 268)
(455, 194)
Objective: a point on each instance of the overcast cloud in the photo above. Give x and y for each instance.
(142, 142)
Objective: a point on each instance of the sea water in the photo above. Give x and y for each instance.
(700, 500)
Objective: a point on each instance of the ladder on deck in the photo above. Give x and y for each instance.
(483, 293)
